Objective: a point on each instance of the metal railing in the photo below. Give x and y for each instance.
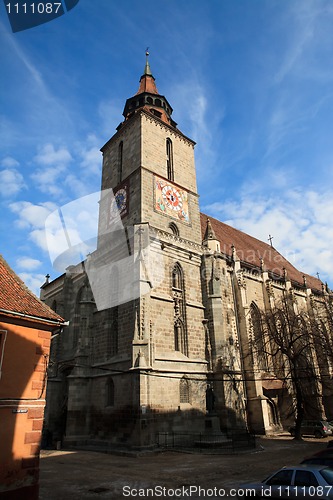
(235, 440)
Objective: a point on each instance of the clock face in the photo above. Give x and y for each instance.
(121, 199)
(119, 204)
(172, 198)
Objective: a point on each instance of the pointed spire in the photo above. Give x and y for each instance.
(210, 233)
(147, 81)
(210, 239)
(147, 70)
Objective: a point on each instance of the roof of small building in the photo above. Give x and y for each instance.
(16, 298)
(254, 252)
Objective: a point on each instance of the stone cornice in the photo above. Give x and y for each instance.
(172, 239)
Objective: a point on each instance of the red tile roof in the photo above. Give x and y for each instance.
(250, 250)
(15, 297)
(147, 84)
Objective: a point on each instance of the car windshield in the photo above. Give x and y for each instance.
(327, 475)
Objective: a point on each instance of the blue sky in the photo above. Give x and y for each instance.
(251, 81)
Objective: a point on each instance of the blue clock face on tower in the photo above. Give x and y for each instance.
(121, 199)
(119, 204)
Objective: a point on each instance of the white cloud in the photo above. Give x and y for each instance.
(33, 281)
(30, 215)
(91, 160)
(300, 223)
(48, 155)
(28, 263)
(9, 162)
(49, 180)
(54, 165)
(11, 182)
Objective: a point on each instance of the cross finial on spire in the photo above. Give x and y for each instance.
(270, 239)
(147, 70)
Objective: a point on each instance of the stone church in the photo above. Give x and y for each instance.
(162, 314)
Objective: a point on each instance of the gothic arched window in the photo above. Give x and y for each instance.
(178, 291)
(84, 307)
(177, 277)
(174, 228)
(184, 390)
(169, 155)
(258, 337)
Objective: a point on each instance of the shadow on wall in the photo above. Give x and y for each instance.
(131, 427)
(23, 377)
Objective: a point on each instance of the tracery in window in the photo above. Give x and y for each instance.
(180, 329)
(184, 391)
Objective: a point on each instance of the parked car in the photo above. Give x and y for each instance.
(327, 452)
(316, 428)
(320, 459)
(300, 481)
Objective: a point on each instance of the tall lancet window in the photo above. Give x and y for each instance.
(169, 154)
(120, 162)
(259, 339)
(179, 324)
(113, 315)
(184, 390)
(83, 316)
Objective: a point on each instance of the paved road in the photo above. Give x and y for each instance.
(83, 475)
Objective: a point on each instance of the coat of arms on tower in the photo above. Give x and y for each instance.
(171, 200)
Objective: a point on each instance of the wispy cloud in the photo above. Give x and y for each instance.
(31, 219)
(11, 182)
(53, 165)
(28, 263)
(299, 222)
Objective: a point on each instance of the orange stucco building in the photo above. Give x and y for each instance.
(26, 326)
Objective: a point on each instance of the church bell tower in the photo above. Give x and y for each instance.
(136, 350)
(149, 166)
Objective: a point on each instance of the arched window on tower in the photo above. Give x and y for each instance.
(120, 162)
(169, 155)
(178, 291)
(174, 228)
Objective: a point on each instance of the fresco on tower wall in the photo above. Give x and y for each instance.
(171, 200)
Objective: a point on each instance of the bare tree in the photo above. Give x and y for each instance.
(288, 348)
(321, 320)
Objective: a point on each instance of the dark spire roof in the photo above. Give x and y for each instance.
(210, 233)
(149, 99)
